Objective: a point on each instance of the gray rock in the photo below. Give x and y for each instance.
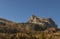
(43, 22)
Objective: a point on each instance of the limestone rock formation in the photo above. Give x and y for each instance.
(48, 22)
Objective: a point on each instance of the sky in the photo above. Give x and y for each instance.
(21, 10)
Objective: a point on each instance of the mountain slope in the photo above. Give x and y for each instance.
(35, 28)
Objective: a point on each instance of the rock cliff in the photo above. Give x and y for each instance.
(48, 22)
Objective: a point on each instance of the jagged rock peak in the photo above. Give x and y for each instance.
(42, 21)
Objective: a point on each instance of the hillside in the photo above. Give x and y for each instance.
(34, 28)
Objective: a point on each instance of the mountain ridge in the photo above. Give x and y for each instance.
(34, 28)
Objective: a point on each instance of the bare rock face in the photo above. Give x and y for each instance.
(44, 22)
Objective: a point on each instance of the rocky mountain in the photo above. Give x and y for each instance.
(48, 22)
(35, 28)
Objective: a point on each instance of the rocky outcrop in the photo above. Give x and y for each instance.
(44, 22)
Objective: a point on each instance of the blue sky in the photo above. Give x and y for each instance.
(21, 10)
